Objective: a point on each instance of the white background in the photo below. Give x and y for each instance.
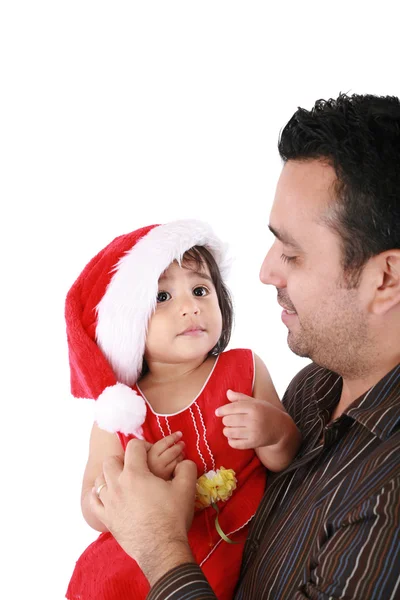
(115, 115)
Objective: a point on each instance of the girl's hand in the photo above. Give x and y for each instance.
(248, 422)
(165, 454)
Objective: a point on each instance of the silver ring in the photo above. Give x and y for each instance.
(98, 490)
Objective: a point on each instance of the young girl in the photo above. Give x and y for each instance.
(147, 323)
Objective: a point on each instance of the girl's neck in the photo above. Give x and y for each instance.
(160, 373)
(172, 390)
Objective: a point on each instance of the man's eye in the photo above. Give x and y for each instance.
(288, 259)
(163, 296)
(200, 291)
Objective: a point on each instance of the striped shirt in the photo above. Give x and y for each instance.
(328, 526)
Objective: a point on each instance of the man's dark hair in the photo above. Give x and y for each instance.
(360, 137)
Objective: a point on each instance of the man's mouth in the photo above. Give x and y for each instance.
(290, 311)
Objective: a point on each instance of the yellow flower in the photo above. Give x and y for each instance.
(214, 486)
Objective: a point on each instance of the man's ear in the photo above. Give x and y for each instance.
(387, 291)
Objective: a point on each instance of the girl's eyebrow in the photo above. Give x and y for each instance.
(192, 273)
(201, 274)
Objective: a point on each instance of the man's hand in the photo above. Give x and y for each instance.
(164, 455)
(249, 423)
(149, 517)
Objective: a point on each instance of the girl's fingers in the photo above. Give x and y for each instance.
(238, 407)
(240, 444)
(236, 433)
(234, 421)
(170, 440)
(173, 452)
(172, 465)
(236, 396)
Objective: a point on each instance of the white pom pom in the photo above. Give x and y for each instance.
(119, 408)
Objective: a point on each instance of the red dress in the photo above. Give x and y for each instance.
(106, 572)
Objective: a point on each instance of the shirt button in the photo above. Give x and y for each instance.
(254, 546)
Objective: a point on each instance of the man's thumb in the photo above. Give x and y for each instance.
(185, 477)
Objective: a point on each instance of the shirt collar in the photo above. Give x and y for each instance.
(378, 409)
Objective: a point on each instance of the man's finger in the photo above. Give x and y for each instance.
(185, 477)
(136, 456)
(99, 485)
(112, 468)
(96, 505)
(148, 445)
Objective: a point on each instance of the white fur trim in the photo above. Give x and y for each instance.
(119, 408)
(130, 299)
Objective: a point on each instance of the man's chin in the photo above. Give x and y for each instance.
(297, 347)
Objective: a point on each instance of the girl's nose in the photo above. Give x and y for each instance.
(190, 307)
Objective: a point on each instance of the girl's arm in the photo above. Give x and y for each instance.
(102, 445)
(261, 422)
(284, 436)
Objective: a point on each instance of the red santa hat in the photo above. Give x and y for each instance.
(108, 310)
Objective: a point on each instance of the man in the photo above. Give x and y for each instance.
(328, 526)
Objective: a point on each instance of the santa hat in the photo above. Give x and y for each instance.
(108, 310)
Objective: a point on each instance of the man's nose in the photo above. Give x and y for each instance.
(272, 270)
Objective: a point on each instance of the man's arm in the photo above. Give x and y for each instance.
(359, 558)
(186, 581)
(148, 516)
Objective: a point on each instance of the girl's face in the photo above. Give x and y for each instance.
(187, 322)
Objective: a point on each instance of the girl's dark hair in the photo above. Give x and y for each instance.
(360, 137)
(198, 255)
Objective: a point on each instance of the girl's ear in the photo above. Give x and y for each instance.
(387, 291)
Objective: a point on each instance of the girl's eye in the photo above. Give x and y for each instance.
(200, 291)
(288, 259)
(163, 296)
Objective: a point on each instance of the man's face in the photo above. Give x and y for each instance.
(325, 319)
